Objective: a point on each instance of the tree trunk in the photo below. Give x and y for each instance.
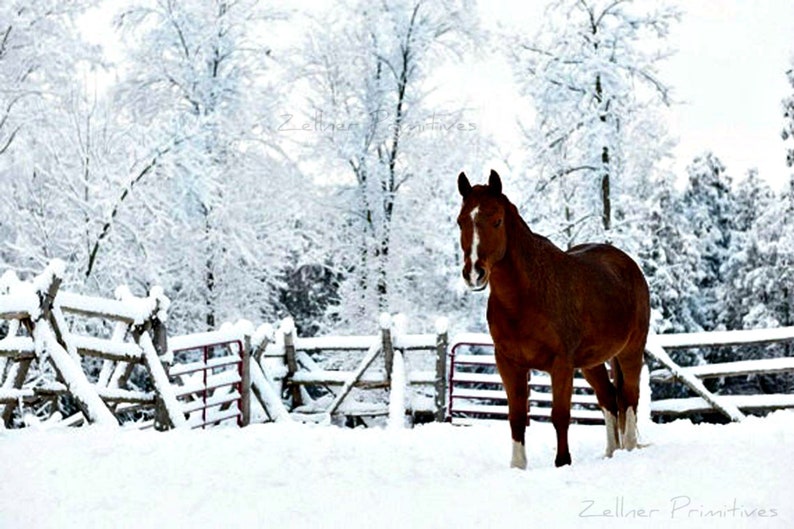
(383, 265)
(606, 201)
(209, 273)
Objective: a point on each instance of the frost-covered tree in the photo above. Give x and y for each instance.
(774, 278)
(39, 53)
(788, 116)
(74, 173)
(592, 75)
(745, 297)
(394, 155)
(670, 257)
(710, 210)
(44, 204)
(200, 92)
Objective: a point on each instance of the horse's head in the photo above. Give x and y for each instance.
(482, 229)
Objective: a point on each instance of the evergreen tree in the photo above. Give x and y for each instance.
(788, 127)
(710, 210)
(745, 299)
(670, 256)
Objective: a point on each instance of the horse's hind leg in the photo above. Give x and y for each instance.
(628, 367)
(514, 379)
(598, 378)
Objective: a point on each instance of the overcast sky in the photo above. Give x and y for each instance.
(730, 73)
(728, 76)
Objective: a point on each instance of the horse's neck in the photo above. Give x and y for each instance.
(530, 257)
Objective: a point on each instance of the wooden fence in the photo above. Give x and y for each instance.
(45, 355)
(382, 364)
(135, 373)
(39, 329)
(733, 407)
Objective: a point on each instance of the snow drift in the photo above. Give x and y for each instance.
(438, 475)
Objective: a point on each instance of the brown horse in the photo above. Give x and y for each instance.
(555, 311)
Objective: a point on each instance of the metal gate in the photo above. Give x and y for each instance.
(476, 391)
(210, 388)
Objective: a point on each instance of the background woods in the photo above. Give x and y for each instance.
(258, 161)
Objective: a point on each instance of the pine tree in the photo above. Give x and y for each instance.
(745, 299)
(788, 127)
(710, 210)
(670, 256)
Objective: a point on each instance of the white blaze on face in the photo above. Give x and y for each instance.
(475, 243)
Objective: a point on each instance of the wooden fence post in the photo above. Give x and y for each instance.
(386, 343)
(442, 343)
(245, 380)
(288, 331)
(50, 340)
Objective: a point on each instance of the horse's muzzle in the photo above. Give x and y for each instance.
(476, 278)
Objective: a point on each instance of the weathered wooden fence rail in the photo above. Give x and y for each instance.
(382, 365)
(732, 406)
(239, 374)
(136, 342)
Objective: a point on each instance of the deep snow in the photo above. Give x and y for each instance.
(438, 475)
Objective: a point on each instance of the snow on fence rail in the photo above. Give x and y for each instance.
(243, 374)
(382, 366)
(476, 391)
(51, 338)
(732, 406)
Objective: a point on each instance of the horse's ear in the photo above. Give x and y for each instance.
(464, 187)
(495, 183)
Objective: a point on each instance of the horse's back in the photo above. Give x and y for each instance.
(613, 285)
(609, 263)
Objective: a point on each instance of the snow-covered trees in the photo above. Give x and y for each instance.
(709, 206)
(39, 53)
(255, 164)
(670, 256)
(591, 73)
(788, 115)
(44, 118)
(368, 65)
(199, 93)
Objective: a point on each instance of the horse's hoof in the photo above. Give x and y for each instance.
(562, 460)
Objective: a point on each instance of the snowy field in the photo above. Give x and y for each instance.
(435, 476)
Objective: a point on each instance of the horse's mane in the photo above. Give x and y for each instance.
(535, 254)
(525, 240)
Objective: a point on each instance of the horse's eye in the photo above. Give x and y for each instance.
(498, 223)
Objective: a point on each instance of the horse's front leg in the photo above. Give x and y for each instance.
(514, 379)
(561, 392)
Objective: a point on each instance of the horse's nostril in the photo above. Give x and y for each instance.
(480, 272)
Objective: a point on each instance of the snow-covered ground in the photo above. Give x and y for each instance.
(435, 476)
